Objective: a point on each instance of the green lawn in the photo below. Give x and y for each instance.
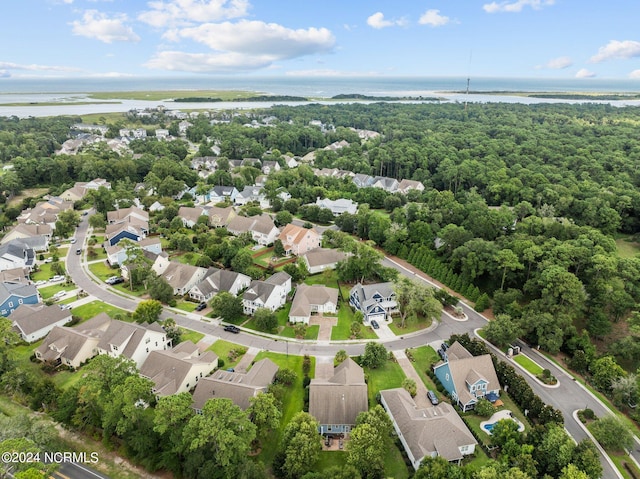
(99, 251)
(103, 270)
(190, 335)
(329, 459)
(222, 348)
(66, 379)
(89, 310)
(627, 248)
(528, 364)
(49, 291)
(411, 325)
(43, 273)
(394, 465)
(187, 306)
(327, 278)
(187, 258)
(619, 459)
(124, 288)
(424, 357)
(388, 376)
(284, 329)
(292, 404)
(342, 330)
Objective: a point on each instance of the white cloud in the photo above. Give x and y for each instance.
(5, 74)
(584, 73)
(617, 50)
(328, 73)
(635, 75)
(98, 25)
(35, 67)
(207, 62)
(112, 75)
(255, 38)
(556, 63)
(185, 12)
(433, 18)
(517, 6)
(378, 21)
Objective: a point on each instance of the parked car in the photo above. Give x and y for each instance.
(374, 324)
(40, 283)
(231, 370)
(48, 260)
(113, 280)
(65, 306)
(444, 346)
(441, 354)
(232, 329)
(59, 295)
(57, 277)
(73, 240)
(432, 397)
(201, 306)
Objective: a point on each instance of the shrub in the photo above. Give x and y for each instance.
(484, 408)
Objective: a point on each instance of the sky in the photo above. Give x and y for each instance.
(348, 38)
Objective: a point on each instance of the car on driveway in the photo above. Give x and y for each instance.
(113, 280)
(40, 283)
(57, 277)
(374, 324)
(432, 397)
(201, 306)
(59, 295)
(230, 328)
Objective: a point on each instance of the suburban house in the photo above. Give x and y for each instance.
(80, 189)
(131, 229)
(69, 346)
(179, 369)
(270, 294)
(219, 217)
(181, 277)
(159, 262)
(237, 386)
(407, 185)
(221, 194)
(466, 377)
(431, 432)
(337, 401)
(262, 228)
(322, 259)
(12, 295)
(269, 167)
(314, 299)
(250, 194)
(298, 240)
(15, 275)
(34, 322)
(375, 301)
(117, 255)
(339, 206)
(29, 230)
(217, 280)
(17, 254)
(387, 184)
(45, 212)
(190, 216)
(123, 214)
(363, 181)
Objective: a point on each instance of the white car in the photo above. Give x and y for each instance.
(40, 283)
(59, 294)
(73, 241)
(48, 260)
(57, 277)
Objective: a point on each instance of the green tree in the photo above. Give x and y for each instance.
(283, 218)
(341, 356)
(265, 320)
(97, 221)
(612, 433)
(227, 306)
(365, 450)
(278, 248)
(484, 408)
(174, 332)
(587, 458)
(604, 371)
(242, 261)
(375, 355)
(301, 445)
(410, 386)
(148, 311)
(264, 413)
(555, 451)
(160, 289)
(507, 260)
(416, 300)
(172, 415)
(502, 331)
(572, 472)
(66, 224)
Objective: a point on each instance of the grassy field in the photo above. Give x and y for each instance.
(328, 278)
(528, 364)
(342, 330)
(89, 310)
(170, 94)
(410, 326)
(62, 103)
(103, 270)
(424, 357)
(49, 291)
(222, 349)
(43, 274)
(292, 403)
(387, 377)
(627, 248)
(27, 193)
(187, 258)
(190, 335)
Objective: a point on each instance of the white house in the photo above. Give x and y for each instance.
(310, 300)
(35, 321)
(262, 228)
(322, 259)
(217, 280)
(270, 294)
(339, 206)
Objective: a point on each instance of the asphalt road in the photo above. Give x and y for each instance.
(72, 470)
(568, 397)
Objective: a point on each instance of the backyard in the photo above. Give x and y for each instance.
(89, 310)
(224, 350)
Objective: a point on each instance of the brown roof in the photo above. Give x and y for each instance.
(293, 234)
(123, 213)
(436, 429)
(190, 214)
(341, 398)
(322, 256)
(306, 296)
(31, 318)
(222, 213)
(178, 274)
(238, 387)
(457, 351)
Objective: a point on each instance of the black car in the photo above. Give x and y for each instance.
(232, 329)
(444, 346)
(201, 306)
(432, 397)
(118, 280)
(374, 324)
(441, 354)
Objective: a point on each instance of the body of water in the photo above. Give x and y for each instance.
(448, 88)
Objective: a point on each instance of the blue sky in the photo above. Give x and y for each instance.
(491, 38)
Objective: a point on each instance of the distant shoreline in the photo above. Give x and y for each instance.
(556, 95)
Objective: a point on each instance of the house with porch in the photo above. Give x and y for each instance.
(190, 216)
(337, 401)
(217, 280)
(375, 301)
(271, 293)
(312, 299)
(435, 431)
(467, 378)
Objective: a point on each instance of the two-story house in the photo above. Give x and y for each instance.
(217, 280)
(297, 240)
(466, 377)
(375, 301)
(270, 294)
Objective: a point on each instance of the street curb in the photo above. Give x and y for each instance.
(597, 444)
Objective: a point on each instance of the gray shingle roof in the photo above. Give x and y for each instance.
(32, 318)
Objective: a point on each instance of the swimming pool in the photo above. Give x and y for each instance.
(487, 426)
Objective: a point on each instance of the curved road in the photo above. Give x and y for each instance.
(568, 397)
